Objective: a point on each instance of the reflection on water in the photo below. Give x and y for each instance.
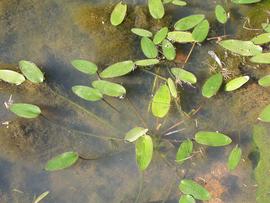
(51, 33)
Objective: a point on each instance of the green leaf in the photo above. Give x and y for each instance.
(266, 27)
(263, 58)
(31, 71)
(144, 151)
(184, 151)
(188, 22)
(167, 1)
(179, 3)
(87, 93)
(180, 37)
(184, 75)
(172, 87)
(147, 62)
(25, 110)
(149, 48)
(168, 50)
(244, 48)
(236, 83)
(160, 35)
(201, 31)
(265, 114)
(234, 158)
(141, 32)
(118, 14)
(190, 187)
(186, 199)
(161, 102)
(85, 66)
(213, 139)
(156, 8)
(62, 161)
(109, 88)
(11, 77)
(221, 14)
(264, 81)
(245, 1)
(118, 69)
(261, 39)
(41, 197)
(135, 133)
(212, 85)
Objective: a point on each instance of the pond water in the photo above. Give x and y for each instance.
(51, 33)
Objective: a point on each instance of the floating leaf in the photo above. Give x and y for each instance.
(147, 62)
(31, 71)
(261, 39)
(109, 88)
(118, 69)
(25, 110)
(179, 3)
(161, 102)
(213, 139)
(186, 199)
(149, 48)
(244, 48)
(190, 187)
(118, 14)
(156, 8)
(188, 22)
(144, 151)
(264, 81)
(266, 27)
(141, 32)
(200, 32)
(87, 93)
(11, 77)
(172, 87)
(263, 58)
(168, 50)
(160, 35)
(221, 14)
(236, 83)
(184, 75)
(167, 1)
(265, 114)
(62, 161)
(135, 133)
(180, 37)
(245, 1)
(41, 197)
(85, 66)
(212, 85)
(234, 158)
(184, 151)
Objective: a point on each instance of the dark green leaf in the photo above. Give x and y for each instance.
(200, 32)
(160, 35)
(141, 32)
(186, 199)
(31, 71)
(135, 133)
(184, 75)
(188, 22)
(156, 8)
(236, 83)
(180, 37)
(184, 151)
(87, 93)
(213, 139)
(118, 14)
(25, 110)
(11, 77)
(172, 87)
(263, 58)
(85, 66)
(149, 48)
(212, 85)
(109, 88)
(264, 81)
(168, 50)
(265, 114)
(144, 151)
(234, 158)
(161, 102)
(221, 14)
(147, 62)
(118, 69)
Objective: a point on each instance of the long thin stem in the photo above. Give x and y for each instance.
(150, 72)
(189, 54)
(140, 187)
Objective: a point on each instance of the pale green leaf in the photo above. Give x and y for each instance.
(179, 3)
(160, 35)
(188, 22)
(201, 30)
(109, 88)
(84, 66)
(236, 83)
(212, 85)
(234, 158)
(184, 151)
(149, 48)
(168, 50)
(147, 62)
(221, 14)
(144, 151)
(263, 58)
(180, 37)
(172, 87)
(264, 81)
(245, 1)
(213, 139)
(118, 14)
(135, 133)
(41, 197)
(156, 8)
(25, 110)
(11, 77)
(141, 32)
(184, 75)
(118, 69)
(265, 114)
(87, 93)
(266, 27)
(186, 199)
(31, 71)
(261, 39)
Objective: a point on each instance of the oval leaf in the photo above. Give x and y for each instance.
(200, 32)
(184, 75)
(109, 88)
(221, 14)
(31, 71)
(263, 58)
(212, 85)
(168, 50)
(236, 83)
(179, 3)
(85, 66)
(245, 1)
(149, 48)
(141, 32)
(135, 134)
(180, 37)
(87, 93)
(25, 110)
(172, 87)
(160, 35)
(265, 114)
(190, 187)
(118, 14)
(144, 151)
(213, 139)
(261, 39)
(161, 102)
(118, 69)
(147, 62)
(234, 158)
(156, 8)
(188, 22)
(186, 199)
(264, 81)
(184, 151)
(62, 161)
(11, 77)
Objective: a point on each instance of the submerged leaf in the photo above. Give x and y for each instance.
(149, 48)
(161, 102)
(141, 32)
(144, 151)
(200, 32)
(261, 39)
(25, 110)
(263, 58)
(118, 14)
(84, 66)
(184, 75)
(156, 8)
(11, 77)
(236, 83)
(186, 199)
(213, 139)
(264, 81)
(168, 50)
(109, 88)
(135, 133)
(265, 114)
(188, 22)
(190, 187)
(87, 93)
(180, 37)
(184, 151)
(147, 62)
(160, 35)
(118, 69)
(31, 71)
(234, 158)
(172, 87)
(221, 14)
(245, 1)
(212, 85)
(62, 161)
